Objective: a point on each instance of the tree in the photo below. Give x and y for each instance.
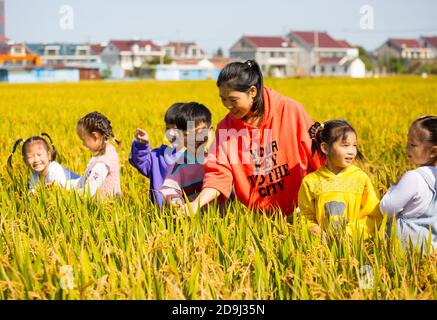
(219, 52)
(362, 53)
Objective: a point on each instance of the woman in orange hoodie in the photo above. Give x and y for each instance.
(261, 147)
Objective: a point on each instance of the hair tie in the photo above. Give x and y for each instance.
(249, 63)
(315, 129)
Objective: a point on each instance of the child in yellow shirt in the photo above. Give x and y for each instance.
(338, 193)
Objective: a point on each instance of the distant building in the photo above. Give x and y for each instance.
(409, 49)
(276, 55)
(81, 55)
(187, 70)
(430, 43)
(17, 55)
(35, 75)
(320, 54)
(184, 50)
(130, 54)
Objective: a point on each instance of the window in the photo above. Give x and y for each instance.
(322, 69)
(346, 69)
(52, 52)
(82, 52)
(18, 51)
(333, 69)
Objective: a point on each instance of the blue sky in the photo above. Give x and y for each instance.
(214, 24)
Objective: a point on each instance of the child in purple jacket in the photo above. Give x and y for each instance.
(155, 163)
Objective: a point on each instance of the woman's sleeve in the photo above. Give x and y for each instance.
(394, 201)
(218, 171)
(140, 158)
(306, 205)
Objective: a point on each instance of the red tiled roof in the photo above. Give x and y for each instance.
(324, 39)
(344, 43)
(96, 48)
(125, 45)
(269, 42)
(409, 43)
(6, 49)
(431, 41)
(329, 60)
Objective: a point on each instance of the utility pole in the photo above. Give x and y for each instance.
(316, 54)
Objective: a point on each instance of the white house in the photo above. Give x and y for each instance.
(275, 55)
(187, 70)
(66, 53)
(130, 54)
(321, 55)
(431, 43)
(184, 50)
(410, 49)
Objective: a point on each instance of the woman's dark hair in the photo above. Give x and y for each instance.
(330, 132)
(428, 123)
(30, 140)
(241, 76)
(97, 122)
(192, 111)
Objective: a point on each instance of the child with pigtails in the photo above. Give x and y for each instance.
(39, 156)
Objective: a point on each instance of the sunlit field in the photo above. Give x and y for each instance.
(128, 249)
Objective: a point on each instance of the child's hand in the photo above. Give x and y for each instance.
(177, 203)
(192, 205)
(142, 136)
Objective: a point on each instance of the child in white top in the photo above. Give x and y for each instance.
(102, 174)
(412, 202)
(40, 158)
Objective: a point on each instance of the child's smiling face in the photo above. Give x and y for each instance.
(342, 153)
(419, 150)
(37, 157)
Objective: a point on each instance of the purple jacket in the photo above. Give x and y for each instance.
(154, 165)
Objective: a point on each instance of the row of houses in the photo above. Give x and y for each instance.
(299, 53)
(424, 48)
(120, 57)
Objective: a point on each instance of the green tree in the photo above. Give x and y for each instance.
(363, 55)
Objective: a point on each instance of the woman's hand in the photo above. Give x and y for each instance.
(142, 136)
(191, 207)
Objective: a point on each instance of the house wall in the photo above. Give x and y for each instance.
(357, 69)
(110, 55)
(386, 52)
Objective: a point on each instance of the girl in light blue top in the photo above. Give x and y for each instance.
(412, 202)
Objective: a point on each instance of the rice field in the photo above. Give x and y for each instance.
(59, 245)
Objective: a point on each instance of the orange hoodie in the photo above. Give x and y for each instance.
(266, 164)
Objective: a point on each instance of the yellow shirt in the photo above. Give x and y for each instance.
(347, 197)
